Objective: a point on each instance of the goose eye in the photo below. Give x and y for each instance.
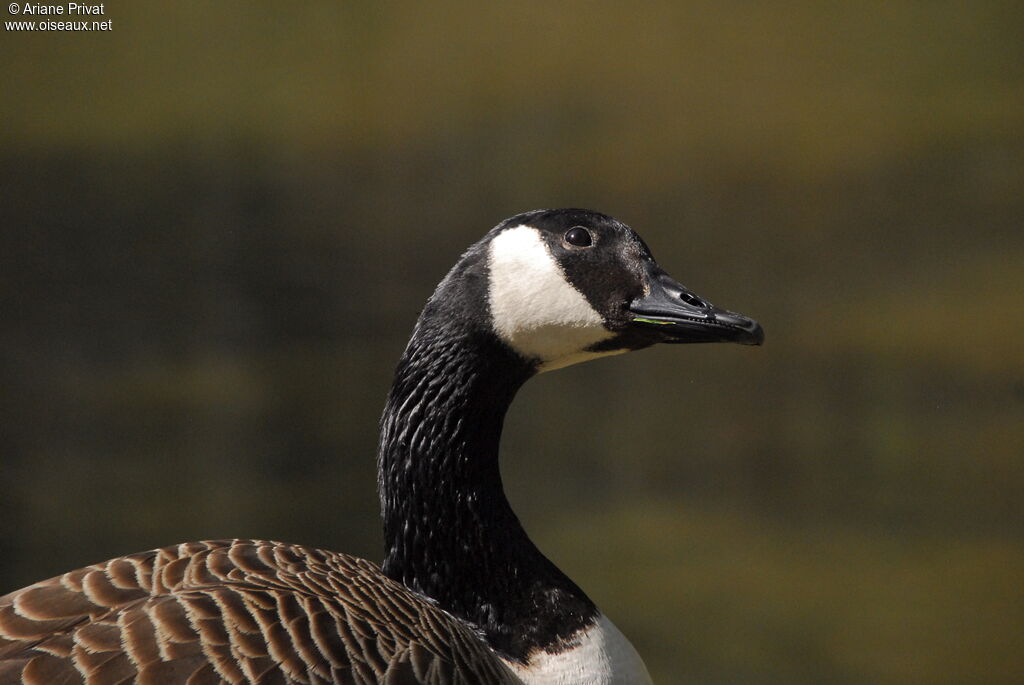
(578, 236)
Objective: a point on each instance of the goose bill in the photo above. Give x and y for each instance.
(680, 316)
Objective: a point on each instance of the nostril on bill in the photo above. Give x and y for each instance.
(693, 300)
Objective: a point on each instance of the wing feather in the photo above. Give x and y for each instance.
(235, 611)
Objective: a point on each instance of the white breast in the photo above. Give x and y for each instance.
(534, 309)
(599, 655)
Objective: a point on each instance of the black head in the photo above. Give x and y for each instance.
(567, 285)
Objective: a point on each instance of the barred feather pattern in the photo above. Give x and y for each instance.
(235, 611)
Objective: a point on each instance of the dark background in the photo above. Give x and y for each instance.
(220, 220)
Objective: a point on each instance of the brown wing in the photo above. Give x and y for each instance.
(236, 611)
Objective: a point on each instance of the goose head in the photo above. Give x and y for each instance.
(567, 285)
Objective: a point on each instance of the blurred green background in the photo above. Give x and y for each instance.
(220, 220)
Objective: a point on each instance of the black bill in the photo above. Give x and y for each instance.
(683, 317)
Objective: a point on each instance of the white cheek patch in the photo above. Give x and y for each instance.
(534, 309)
(598, 655)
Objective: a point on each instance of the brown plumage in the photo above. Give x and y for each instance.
(235, 611)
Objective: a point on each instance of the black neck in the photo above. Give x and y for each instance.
(449, 531)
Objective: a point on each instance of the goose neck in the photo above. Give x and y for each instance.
(449, 530)
(439, 476)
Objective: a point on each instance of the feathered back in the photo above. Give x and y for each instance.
(235, 611)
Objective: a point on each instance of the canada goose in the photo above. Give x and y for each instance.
(463, 595)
